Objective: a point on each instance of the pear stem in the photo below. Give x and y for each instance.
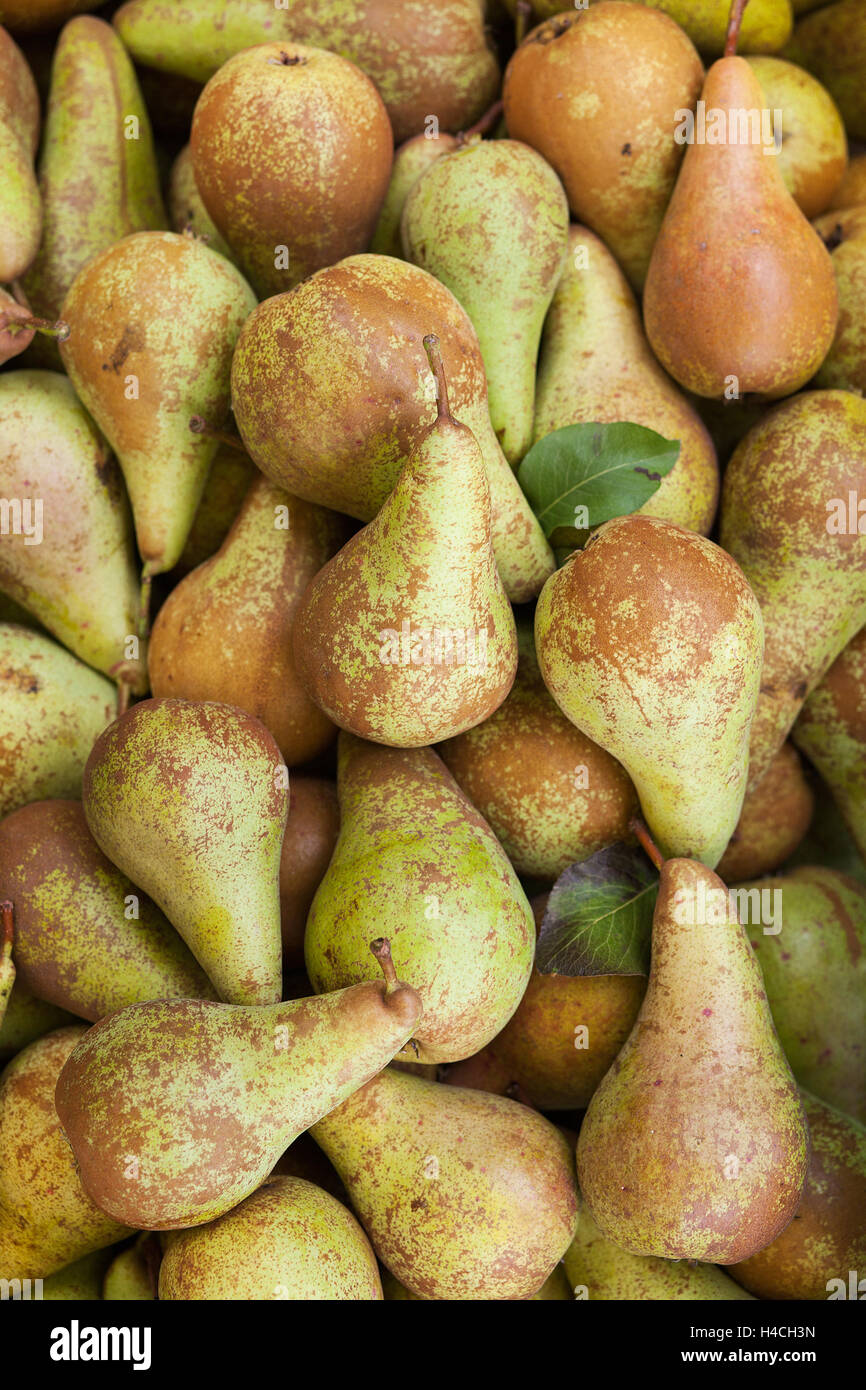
(646, 842)
(199, 425)
(124, 691)
(434, 357)
(516, 1092)
(734, 21)
(484, 123)
(522, 18)
(7, 916)
(381, 949)
(58, 329)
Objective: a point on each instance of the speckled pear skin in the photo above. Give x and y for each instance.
(490, 220)
(649, 640)
(81, 580)
(46, 1218)
(831, 731)
(291, 146)
(231, 475)
(225, 632)
(845, 363)
(20, 203)
(422, 58)
(363, 321)
(417, 859)
(74, 944)
(615, 74)
(773, 821)
(166, 310)
(694, 1146)
(464, 1195)
(26, 1019)
(52, 707)
(814, 152)
(189, 800)
(427, 561)
(610, 1274)
(410, 161)
(127, 1278)
(766, 23)
(186, 209)
(739, 285)
(177, 1110)
(289, 1240)
(815, 977)
(596, 366)
(828, 1236)
(832, 45)
(97, 185)
(851, 192)
(776, 500)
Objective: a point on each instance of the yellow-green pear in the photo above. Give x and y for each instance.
(844, 234)
(410, 161)
(186, 209)
(832, 44)
(20, 203)
(812, 150)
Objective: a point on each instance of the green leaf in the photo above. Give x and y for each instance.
(610, 470)
(598, 919)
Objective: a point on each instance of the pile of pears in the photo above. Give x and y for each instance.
(338, 776)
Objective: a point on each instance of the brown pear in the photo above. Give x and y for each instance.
(775, 816)
(831, 731)
(311, 834)
(851, 192)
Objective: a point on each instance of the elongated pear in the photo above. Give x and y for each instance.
(154, 320)
(788, 492)
(845, 236)
(72, 564)
(364, 321)
(47, 1219)
(86, 939)
(225, 632)
(596, 366)
(410, 161)
(406, 637)
(416, 858)
(490, 221)
(650, 641)
(52, 707)
(463, 1195)
(694, 1146)
(311, 835)
(189, 800)
(20, 203)
(740, 295)
(831, 731)
(177, 1110)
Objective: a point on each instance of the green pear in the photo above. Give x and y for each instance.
(787, 492)
(436, 879)
(154, 321)
(406, 637)
(490, 220)
(177, 1110)
(80, 1281)
(813, 150)
(289, 1240)
(765, 28)
(26, 1019)
(46, 1218)
(85, 938)
(410, 161)
(128, 1278)
(231, 475)
(596, 366)
(832, 45)
(51, 709)
(650, 641)
(73, 564)
(463, 1195)
(694, 1146)
(814, 971)
(189, 800)
(20, 203)
(845, 364)
(831, 731)
(186, 209)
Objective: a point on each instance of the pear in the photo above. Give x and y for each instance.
(596, 367)
(85, 938)
(851, 192)
(463, 1195)
(225, 632)
(787, 492)
(177, 1110)
(228, 482)
(80, 1281)
(650, 641)
(550, 795)
(832, 45)
(814, 972)
(490, 221)
(186, 209)
(26, 15)
(417, 859)
(555, 1287)
(311, 835)
(189, 800)
(364, 321)
(20, 203)
(26, 1019)
(51, 709)
(597, 1269)
(766, 24)
(813, 153)
(831, 731)
(154, 321)
(97, 167)
(289, 1240)
(694, 1146)
(775, 817)
(421, 60)
(46, 1218)
(845, 363)
(17, 327)
(73, 563)
(131, 1275)
(827, 1237)
(616, 108)
(410, 161)
(406, 637)
(7, 965)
